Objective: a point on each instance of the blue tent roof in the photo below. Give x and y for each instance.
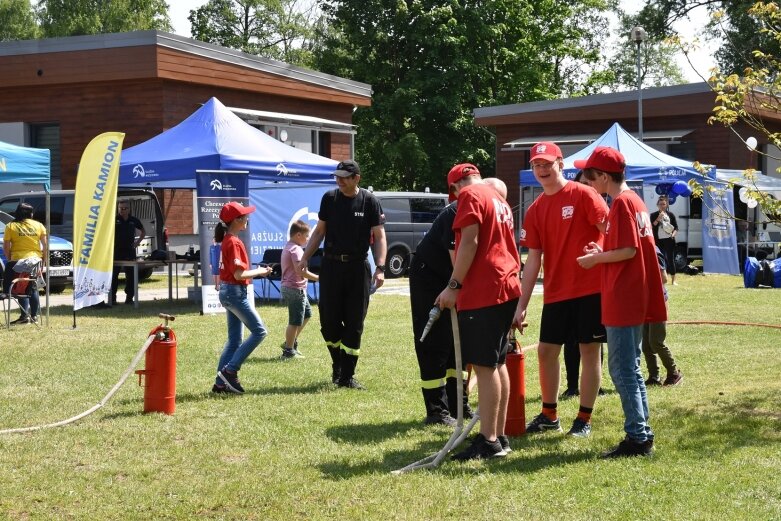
(642, 162)
(214, 138)
(24, 165)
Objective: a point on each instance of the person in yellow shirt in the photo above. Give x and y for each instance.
(24, 240)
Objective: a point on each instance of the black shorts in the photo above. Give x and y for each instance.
(578, 319)
(484, 333)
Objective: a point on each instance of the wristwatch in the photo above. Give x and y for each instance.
(454, 284)
(380, 267)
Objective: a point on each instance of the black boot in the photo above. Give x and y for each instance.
(436, 407)
(452, 398)
(347, 371)
(336, 355)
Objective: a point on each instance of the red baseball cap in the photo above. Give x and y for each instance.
(457, 173)
(605, 159)
(545, 150)
(232, 210)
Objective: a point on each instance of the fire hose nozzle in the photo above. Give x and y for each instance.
(433, 316)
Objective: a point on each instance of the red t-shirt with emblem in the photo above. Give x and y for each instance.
(632, 291)
(561, 225)
(233, 255)
(493, 276)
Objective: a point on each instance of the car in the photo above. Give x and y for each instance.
(408, 217)
(144, 205)
(60, 258)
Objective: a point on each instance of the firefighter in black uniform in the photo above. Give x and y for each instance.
(349, 216)
(125, 244)
(429, 273)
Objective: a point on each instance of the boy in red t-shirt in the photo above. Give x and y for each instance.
(562, 221)
(485, 289)
(632, 292)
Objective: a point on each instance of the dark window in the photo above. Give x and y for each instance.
(48, 136)
(9, 206)
(695, 208)
(426, 210)
(39, 209)
(684, 150)
(396, 210)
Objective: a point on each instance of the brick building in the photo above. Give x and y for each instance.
(59, 93)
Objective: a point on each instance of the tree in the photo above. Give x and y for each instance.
(17, 20)
(657, 58)
(79, 17)
(278, 29)
(431, 62)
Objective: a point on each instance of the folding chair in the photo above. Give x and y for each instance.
(21, 287)
(272, 258)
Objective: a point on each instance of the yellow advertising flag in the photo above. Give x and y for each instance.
(94, 214)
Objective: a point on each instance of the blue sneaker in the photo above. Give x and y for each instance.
(580, 429)
(542, 423)
(231, 379)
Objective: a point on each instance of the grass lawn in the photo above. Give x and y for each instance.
(295, 447)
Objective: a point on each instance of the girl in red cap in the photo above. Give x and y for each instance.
(235, 277)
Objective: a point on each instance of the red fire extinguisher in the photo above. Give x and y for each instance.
(160, 370)
(515, 425)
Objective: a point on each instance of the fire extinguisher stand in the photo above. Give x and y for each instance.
(460, 432)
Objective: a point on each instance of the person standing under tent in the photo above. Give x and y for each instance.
(484, 288)
(665, 227)
(632, 292)
(565, 218)
(235, 281)
(348, 219)
(125, 243)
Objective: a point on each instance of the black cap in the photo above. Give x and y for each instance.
(347, 168)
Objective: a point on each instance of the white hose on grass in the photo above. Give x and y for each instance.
(100, 404)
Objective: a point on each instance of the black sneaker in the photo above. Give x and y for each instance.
(673, 379)
(628, 448)
(350, 383)
(580, 429)
(654, 380)
(218, 389)
(20, 320)
(288, 354)
(231, 379)
(570, 393)
(440, 419)
(481, 448)
(335, 373)
(468, 412)
(504, 441)
(542, 423)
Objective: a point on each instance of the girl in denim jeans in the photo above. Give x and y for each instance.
(235, 278)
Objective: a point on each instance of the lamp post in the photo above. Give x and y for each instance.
(638, 36)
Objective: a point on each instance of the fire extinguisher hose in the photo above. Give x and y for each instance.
(97, 406)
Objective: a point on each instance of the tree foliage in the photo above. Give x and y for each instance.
(17, 20)
(278, 29)
(431, 62)
(79, 17)
(751, 97)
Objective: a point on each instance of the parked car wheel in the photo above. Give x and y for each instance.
(56, 288)
(396, 263)
(145, 273)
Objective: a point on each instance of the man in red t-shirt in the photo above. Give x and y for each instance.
(558, 225)
(632, 292)
(484, 288)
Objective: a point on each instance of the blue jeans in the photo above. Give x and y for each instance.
(623, 347)
(238, 310)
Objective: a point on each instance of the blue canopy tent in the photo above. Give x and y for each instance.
(214, 138)
(643, 163)
(29, 166)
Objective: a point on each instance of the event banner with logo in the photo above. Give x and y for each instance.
(215, 188)
(94, 213)
(278, 206)
(719, 243)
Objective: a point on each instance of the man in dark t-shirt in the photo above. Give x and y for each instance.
(349, 218)
(128, 234)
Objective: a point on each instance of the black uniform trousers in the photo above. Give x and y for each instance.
(125, 254)
(344, 299)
